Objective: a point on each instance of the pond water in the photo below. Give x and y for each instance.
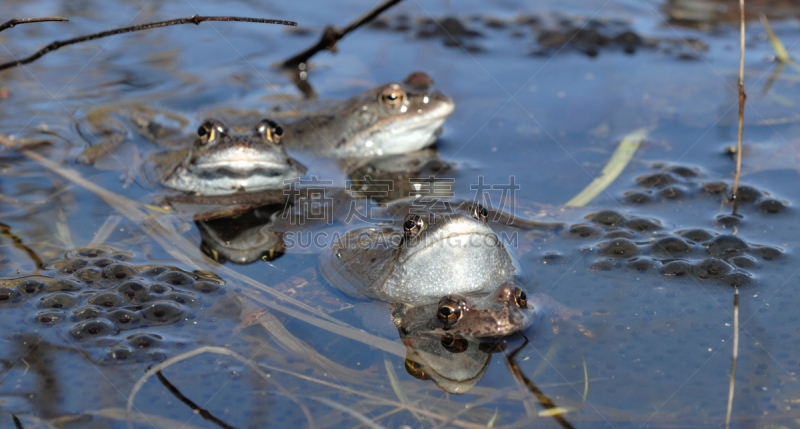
(637, 323)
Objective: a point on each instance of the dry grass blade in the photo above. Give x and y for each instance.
(485, 400)
(106, 230)
(780, 51)
(360, 417)
(119, 414)
(585, 380)
(388, 346)
(207, 349)
(371, 396)
(300, 348)
(398, 390)
(11, 23)
(196, 19)
(619, 160)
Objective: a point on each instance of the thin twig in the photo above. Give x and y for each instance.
(543, 399)
(742, 98)
(195, 408)
(17, 422)
(214, 350)
(735, 357)
(197, 19)
(12, 22)
(5, 231)
(331, 35)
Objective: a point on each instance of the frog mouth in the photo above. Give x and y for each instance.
(242, 169)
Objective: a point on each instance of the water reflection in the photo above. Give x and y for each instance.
(243, 238)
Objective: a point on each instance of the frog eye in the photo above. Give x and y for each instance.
(521, 297)
(393, 97)
(480, 212)
(454, 344)
(449, 312)
(416, 370)
(413, 225)
(210, 130)
(270, 130)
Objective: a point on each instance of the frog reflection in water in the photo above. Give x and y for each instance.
(456, 256)
(453, 348)
(221, 163)
(390, 119)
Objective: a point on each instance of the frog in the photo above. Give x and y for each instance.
(389, 119)
(451, 342)
(435, 254)
(500, 313)
(220, 162)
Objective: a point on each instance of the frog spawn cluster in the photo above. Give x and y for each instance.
(100, 296)
(549, 35)
(642, 245)
(679, 182)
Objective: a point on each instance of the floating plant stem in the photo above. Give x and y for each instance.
(619, 160)
(780, 51)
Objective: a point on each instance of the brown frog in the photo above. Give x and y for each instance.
(389, 119)
(220, 162)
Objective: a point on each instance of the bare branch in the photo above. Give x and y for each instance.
(331, 35)
(12, 22)
(191, 20)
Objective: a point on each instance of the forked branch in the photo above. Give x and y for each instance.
(331, 35)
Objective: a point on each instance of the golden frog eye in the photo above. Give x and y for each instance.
(413, 225)
(449, 312)
(416, 370)
(393, 97)
(480, 212)
(210, 130)
(454, 344)
(270, 130)
(521, 297)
